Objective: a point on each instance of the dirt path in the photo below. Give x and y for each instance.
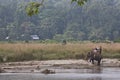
(41, 66)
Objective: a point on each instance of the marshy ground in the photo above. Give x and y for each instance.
(37, 57)
(54, 66)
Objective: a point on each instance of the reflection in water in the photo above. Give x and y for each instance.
(96, 69)
(97, 73)
(98, 78)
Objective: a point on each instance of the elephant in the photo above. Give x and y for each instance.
(95, 54)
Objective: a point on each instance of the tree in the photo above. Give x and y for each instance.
(59, 19)
(33, 7)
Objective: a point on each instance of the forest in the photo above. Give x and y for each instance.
(61, 19)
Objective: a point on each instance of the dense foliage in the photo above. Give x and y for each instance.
(32, 8)
(59, 19)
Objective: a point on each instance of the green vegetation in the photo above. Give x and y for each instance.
(96, 21)
(50, 51)
(33, 7)
(59, 19)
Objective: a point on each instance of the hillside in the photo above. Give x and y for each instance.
(59, 19)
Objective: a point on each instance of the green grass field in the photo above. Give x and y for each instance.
(49, 51)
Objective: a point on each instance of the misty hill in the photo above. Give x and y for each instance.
(59, 19)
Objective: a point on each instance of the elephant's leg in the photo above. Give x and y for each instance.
(92, 61)
(99, 62)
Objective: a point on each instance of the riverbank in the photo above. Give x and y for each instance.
(52, 66)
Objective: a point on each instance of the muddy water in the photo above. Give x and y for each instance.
(67, 74)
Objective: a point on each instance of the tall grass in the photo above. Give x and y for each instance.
(35, 51)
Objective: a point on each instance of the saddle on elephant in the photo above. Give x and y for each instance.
(96, 52)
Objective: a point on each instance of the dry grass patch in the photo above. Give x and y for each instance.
(32, 51)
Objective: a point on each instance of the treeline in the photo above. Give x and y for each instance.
(59, 19)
